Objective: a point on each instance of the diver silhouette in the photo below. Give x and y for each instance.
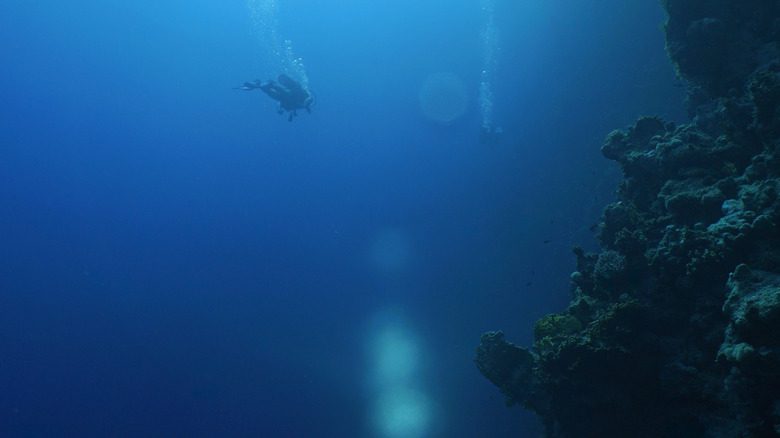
(285, 90)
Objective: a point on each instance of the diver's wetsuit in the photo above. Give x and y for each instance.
(289, 93)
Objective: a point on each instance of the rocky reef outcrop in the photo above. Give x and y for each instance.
(673, 329)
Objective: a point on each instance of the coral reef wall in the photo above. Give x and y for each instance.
(673, 329)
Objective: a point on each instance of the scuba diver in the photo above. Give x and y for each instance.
(288, 92)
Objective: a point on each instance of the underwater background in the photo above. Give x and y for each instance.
(179, 260)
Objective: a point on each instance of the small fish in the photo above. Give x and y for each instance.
(546, 241)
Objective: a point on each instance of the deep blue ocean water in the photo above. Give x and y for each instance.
(179, 260)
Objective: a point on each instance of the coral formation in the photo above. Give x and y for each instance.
(673, 329)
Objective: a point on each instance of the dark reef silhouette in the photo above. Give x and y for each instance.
(673, 329)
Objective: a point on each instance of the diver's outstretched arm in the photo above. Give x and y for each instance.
(248, 86)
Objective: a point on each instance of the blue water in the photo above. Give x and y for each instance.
(179, 260)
